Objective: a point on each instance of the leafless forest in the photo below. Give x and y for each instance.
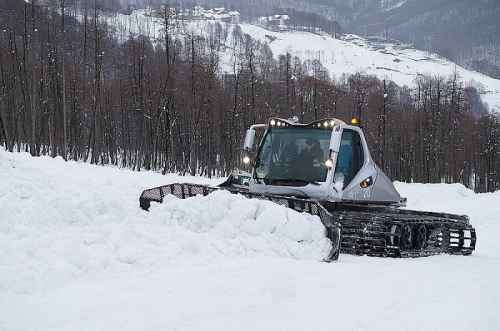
(71, 89)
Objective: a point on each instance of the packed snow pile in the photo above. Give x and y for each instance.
(77, 253)
(56, 227)
(226, 224)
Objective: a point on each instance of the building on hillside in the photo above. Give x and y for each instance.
(200, 13)
(216, 14)
(275, 22)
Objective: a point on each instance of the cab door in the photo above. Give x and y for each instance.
(355, 173)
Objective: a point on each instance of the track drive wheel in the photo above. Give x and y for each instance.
(395, 235)
(420, 236)
(406, 240)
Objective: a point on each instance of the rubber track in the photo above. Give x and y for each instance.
(378, 232)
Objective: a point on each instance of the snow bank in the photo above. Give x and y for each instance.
(63, 221)
(226, 224)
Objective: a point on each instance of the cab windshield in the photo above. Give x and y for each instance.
(293, 155)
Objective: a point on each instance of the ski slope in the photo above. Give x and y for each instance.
(349, 55)
(77, 253)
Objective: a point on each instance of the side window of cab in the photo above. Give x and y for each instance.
(351, 157)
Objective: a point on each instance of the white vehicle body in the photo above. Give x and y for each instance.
(368, 183)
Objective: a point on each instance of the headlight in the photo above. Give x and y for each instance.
(246, 159)
(366, 183)
(329, 163)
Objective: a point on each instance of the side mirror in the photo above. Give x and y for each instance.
(249, 140)
(335, 139)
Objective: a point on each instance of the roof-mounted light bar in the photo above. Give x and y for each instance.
(322, 124)
(278, 123)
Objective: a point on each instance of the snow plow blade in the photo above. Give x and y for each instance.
(183, 191)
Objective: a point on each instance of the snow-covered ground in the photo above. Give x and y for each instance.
(77, 253)
(351, 54)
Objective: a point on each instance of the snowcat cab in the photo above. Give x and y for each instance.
(326, 160)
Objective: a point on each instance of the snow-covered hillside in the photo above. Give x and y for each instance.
(77, 253)
(351, 54)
